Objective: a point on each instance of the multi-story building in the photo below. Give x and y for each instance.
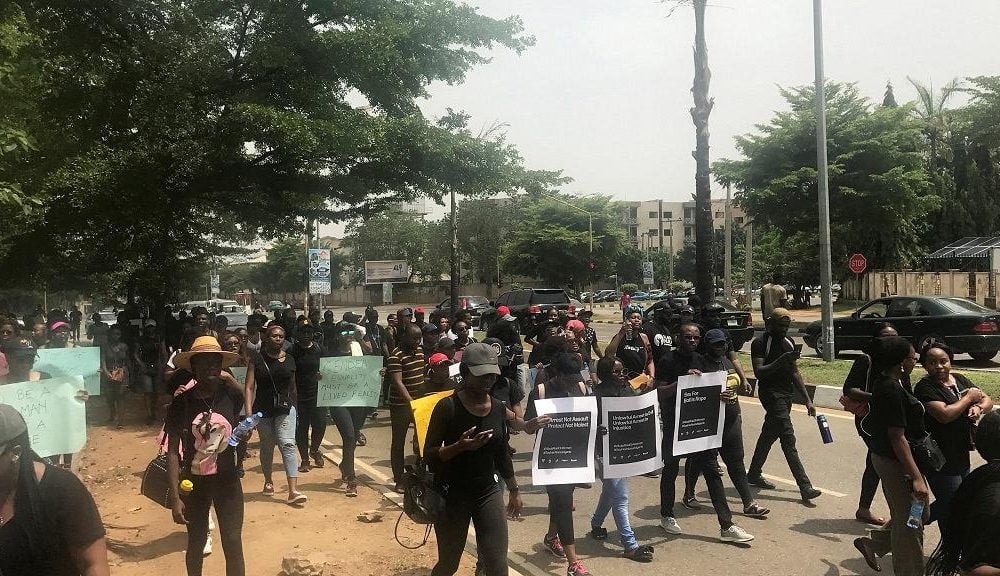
(666, 226)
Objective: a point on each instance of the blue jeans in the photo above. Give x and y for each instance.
(943, 485)
(614, 499)
(278, 429)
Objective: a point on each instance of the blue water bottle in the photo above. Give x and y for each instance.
(824, 429)
(916, 518)
(242, 430)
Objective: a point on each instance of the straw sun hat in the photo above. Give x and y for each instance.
(205, 345)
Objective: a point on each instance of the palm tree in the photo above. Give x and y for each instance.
(703, 233)
(932, 111)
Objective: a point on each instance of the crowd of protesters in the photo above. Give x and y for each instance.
(192, 356)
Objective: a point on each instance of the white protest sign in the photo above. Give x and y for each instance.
(54, 410)
(699, 413)
(634, 439)
(564, 450)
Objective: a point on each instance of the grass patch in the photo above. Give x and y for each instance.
(834, 373)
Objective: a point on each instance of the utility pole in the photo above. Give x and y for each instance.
(748, 272)
(454, 256)
(825, 266)
(728, 264)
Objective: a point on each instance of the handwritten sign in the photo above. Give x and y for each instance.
(350, 381)
(54, 410)
(240, 373)
(81, 361)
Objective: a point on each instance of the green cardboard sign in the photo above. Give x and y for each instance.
(54, 410)
(350, 381)
(80, 361)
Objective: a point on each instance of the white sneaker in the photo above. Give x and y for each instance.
(670, 525)
(735, 534)
(208, 546)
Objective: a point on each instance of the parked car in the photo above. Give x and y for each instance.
(474, 304)
(738, 324)
(964, 325)
(526, 303)
(607, 296)
(275, 305)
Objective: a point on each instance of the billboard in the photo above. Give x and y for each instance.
(319, 271)
(379, 271)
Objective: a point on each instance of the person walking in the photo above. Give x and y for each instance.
(857, 393)
(49, 523)
(199, 424)
(270, 390)
(115, 376)
(614, 491)
(351, 341)
(307, 354)
(896, 419)
(716, 359)
(772, 295)
(466, 448)
(75, 319)
(774, 362)
(624, 302)
(406, 367)
(560, 539)
(632, 347)
(954, 404)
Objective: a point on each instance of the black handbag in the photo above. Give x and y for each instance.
(422, 503)
(156, 480)
(927, 454)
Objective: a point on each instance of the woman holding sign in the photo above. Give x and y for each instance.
(614, 491)
(566, 382)
(467, 450)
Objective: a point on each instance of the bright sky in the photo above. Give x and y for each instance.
(605, 92)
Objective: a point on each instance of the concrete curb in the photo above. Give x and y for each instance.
(822, 396)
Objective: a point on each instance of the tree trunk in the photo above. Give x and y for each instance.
(703, 233)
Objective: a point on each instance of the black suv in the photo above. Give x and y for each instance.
(528, 302)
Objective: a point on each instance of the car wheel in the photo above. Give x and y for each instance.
(927, 339)
(983, 355)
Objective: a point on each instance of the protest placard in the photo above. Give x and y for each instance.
(564, 449)
(54, 410)
(700, 417)
(350, 381)
(240, 373)
(633, 442)
(423, 408)
(79, 361)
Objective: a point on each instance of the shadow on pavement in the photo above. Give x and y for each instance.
(174, 542)
(830, 529)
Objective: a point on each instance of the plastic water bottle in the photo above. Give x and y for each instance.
(242, 430)
(916, 518)
(824, 429)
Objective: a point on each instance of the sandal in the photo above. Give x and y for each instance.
(268, 489)
(639, 554)
(297, 499)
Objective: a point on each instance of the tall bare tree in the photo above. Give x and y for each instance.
(703, 233)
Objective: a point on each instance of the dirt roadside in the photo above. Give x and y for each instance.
(143, 540)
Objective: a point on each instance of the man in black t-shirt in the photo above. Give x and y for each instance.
(774, 362)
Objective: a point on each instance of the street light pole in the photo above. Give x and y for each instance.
(825, 267)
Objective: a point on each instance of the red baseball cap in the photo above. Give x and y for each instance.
(503, 310)
(418, 310)
(438, 358)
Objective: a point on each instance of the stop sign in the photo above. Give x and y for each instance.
(857, 263)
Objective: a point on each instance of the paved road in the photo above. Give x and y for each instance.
(795, 539)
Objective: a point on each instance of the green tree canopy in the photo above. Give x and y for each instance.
(167, 132)
(551, 241)
(880, 189)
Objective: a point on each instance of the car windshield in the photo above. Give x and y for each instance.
(549, 297)
(476, 301)
(963, 305)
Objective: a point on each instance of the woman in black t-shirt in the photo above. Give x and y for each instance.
(199, 423)
(49, 523)
(953, 405)
(270, 390)
(467, 449)
(631, 346)
(896, 418)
